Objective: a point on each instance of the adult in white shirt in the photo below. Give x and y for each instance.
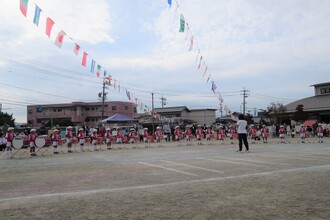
(242, 133)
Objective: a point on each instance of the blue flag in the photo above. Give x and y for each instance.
(36, 15)
(169, 2)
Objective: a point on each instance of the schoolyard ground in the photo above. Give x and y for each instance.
(211, 181)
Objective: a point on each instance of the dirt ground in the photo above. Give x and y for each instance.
(212, 181)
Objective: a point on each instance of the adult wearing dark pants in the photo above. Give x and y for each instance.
(242, 133)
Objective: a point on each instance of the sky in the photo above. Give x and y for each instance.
(273, 49)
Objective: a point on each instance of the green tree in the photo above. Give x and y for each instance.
(275, 110)
(300, 114)
(5, 118)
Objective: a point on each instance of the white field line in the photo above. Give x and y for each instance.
(165, 168)
(228, 161)
(186, 165)
(124, 189)
(299, 157)
(254, 161)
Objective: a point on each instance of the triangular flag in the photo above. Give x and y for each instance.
(92, 66)
(37, 15)
(84, 59)
(59, 39)
(200, 62)
(182, 23)
(23, 6)
(205, 71)
(76, 49)
(49, 26)
(98, 70)
(191, 43)
(169, 2)
(214, 87)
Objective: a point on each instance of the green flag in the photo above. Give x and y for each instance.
(182, 23)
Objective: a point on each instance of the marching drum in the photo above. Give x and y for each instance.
(20, 141)
(42, 141)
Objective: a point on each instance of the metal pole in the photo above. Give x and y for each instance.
(103, 99)
(153, 118)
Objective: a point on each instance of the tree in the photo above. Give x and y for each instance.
(299, 114)
(275, 110)
(5, 118)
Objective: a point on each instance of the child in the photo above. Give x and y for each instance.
(282, 132)
(208, 133)
(158, 134)
(302, 132)
(108, 138)
(199, 135)
(32, 136)
(95, 138)
(188, 134)
(9, 138)
(146, 138)
(132, 136)
(177, 135)
(81, 138)
(69, 137)
(320, 131)
(221, 133)
(264, 133)
(232, 132)
(119, 136)
(56, 139)
(253, 134)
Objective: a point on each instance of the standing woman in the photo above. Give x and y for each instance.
(242, 133)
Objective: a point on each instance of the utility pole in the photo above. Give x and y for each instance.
(245, 94)
(152, 113)
(163, 100)
(103, 95)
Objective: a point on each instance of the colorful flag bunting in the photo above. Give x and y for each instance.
(49, 25)
(182, 23)
(98, 70)
(37, 15)
(104, 73)
(59, 39)
(76, 49)
(84, 59)
(23, 6)
(92, 66)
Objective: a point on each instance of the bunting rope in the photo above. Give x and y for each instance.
(184, 27)
(85, 57)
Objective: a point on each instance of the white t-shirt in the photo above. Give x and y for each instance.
(241, 126)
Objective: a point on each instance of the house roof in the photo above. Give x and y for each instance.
(314, 103)
(118, 118)
(172, 109)
(321, 84)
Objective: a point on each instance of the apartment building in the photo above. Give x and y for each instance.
(80, 113)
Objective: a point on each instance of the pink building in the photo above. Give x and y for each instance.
(80, 113)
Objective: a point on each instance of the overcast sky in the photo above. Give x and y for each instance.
(274, 49)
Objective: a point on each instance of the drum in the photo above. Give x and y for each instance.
(20, 141)
(42, 141)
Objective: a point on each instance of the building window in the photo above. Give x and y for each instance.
(114, 108)
(87, 109)
(325, 90)
(126, 107)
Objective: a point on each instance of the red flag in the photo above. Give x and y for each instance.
(84, 59)
(49, 26)
(23, 6)
(76, 49)
(59, 39)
